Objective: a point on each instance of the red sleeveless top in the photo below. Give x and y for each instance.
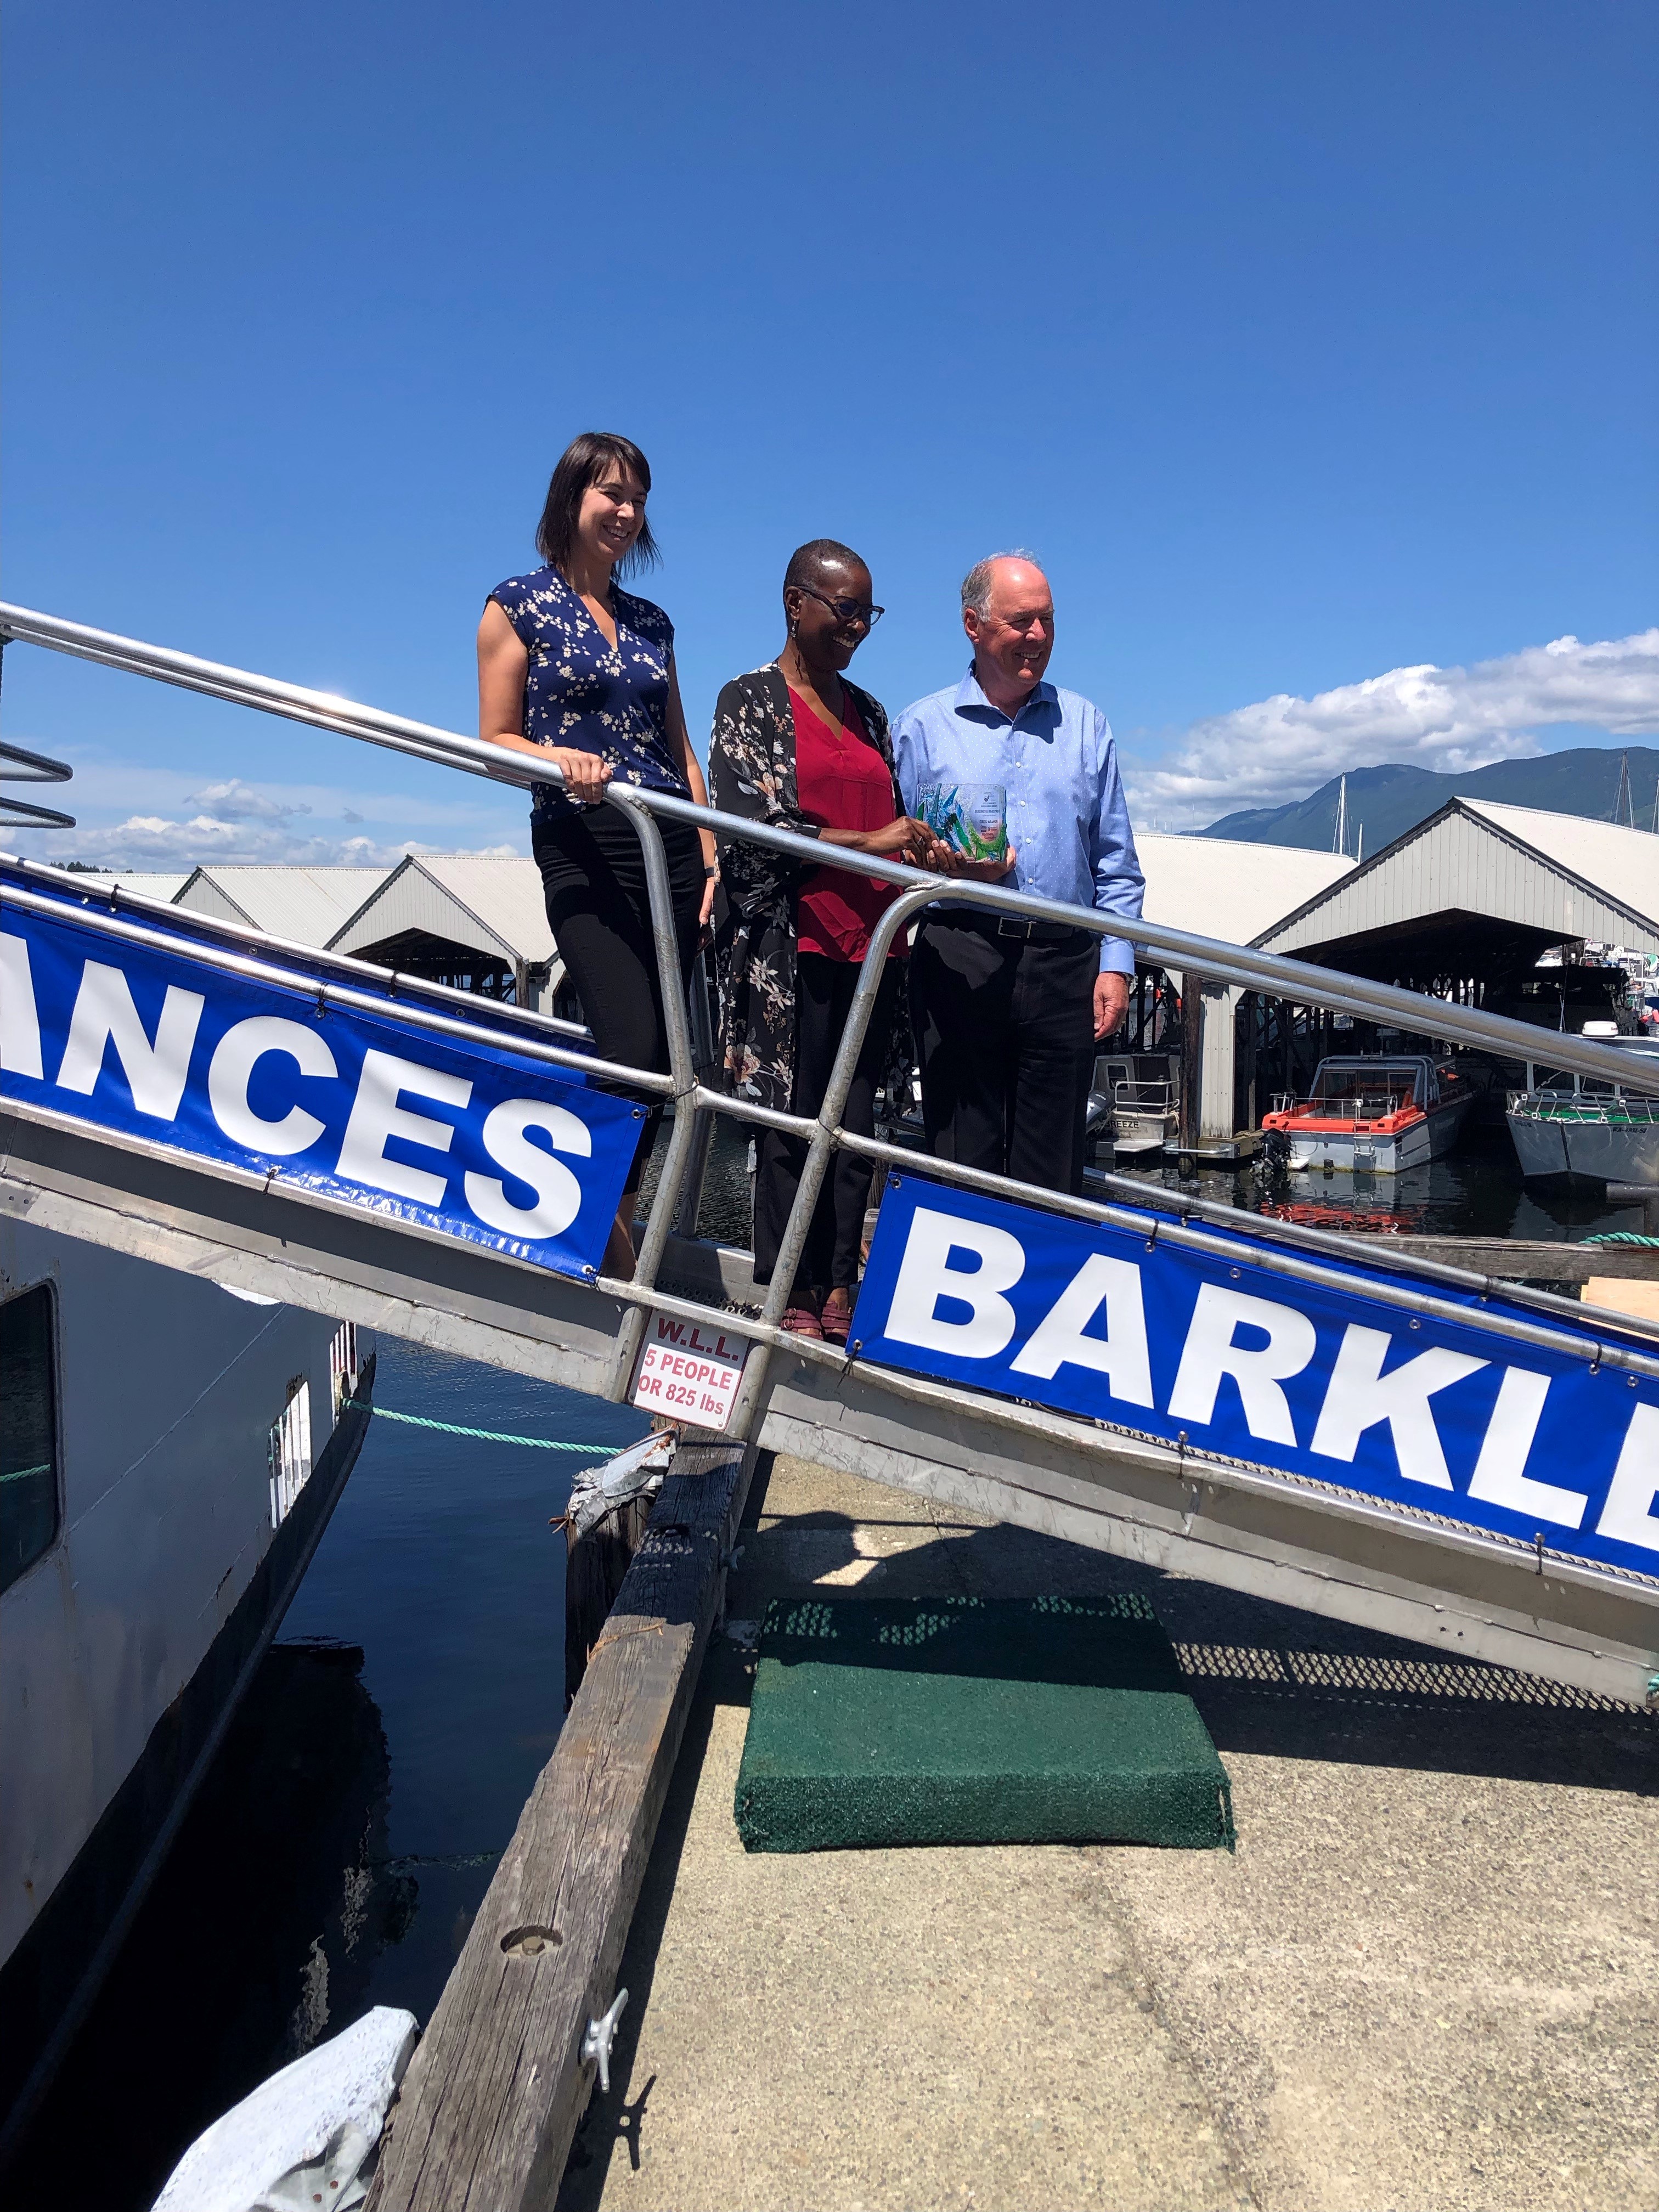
(842, 782)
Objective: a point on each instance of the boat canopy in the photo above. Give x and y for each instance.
(1406, 1076)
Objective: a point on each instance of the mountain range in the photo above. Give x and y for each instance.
(1388, 802)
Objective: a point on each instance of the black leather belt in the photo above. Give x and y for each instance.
(1018, 925)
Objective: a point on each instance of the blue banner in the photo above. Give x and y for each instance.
(1235, 1361)
(470, 1139)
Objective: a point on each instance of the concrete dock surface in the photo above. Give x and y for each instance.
(1426, 1978)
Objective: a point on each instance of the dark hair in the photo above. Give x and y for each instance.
(809, 560)
(582, 463)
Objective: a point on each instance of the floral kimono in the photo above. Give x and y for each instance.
(751, 771)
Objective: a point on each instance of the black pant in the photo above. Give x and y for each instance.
(599, 911)
(823, 995)
(1004, 1028)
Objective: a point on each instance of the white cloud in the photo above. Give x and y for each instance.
(153, 840)
(1448, 719)
(131, 814)
(236, 801)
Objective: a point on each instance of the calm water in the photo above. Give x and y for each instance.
(349, 1829)
(1476, 1191)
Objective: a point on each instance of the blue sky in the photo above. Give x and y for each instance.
(1306, 343)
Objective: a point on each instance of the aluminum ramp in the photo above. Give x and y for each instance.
(1467, 1463)
(1415, 1573)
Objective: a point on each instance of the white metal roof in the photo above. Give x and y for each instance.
(1623, 863)
(1213, 885)
(305, 905)
(1219, 887)
(488, 904)
(143, 883)
(1555, 873)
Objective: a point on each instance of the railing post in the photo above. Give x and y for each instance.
(745, 1410)
(683, 1068)
(702, 1137)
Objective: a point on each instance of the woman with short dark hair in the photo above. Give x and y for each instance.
(796, 745)
(574, 668)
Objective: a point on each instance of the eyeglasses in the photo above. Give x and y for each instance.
(846, 609)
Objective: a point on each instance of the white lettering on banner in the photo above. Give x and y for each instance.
(926, 1276)
(1121, 1355)
(558, 1195)
(376, 1115)
(1210, 1353)
(1628, 1515)
(105, 1014)
(1500, 1476)
(1359, 1395)
(234, 1057)
(20, 1024)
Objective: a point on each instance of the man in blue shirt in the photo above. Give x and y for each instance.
(1009, 1013)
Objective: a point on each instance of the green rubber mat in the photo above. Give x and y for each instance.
(1046, 1720)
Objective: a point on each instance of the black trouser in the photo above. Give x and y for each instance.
(599, 911)
(1005, 1027)
(824, 994)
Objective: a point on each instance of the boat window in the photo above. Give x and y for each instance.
(29, 1432)
(290, 1451)
(1384, 1089)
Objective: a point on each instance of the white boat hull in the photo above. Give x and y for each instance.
(1364, 1153)
(1551, 1150)
(126, 1643)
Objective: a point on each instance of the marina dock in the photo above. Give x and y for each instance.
(1425, 1975)
(1403, 1985)
(1057, 1405)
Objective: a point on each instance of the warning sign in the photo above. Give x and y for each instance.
(689, 1371)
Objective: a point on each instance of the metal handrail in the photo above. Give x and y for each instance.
(19, 765)
(135, 932)
(1245, 966)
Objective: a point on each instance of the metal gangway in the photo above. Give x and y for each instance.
(1105, 1386)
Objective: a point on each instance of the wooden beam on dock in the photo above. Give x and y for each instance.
(496, 2087)
(1518, 1260)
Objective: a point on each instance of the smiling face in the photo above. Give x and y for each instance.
(611, 514)
(824, 638)
(1015, 634)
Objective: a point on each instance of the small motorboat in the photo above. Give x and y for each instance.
(1370, 1114)
(1131, 1101)
(1572, 1129)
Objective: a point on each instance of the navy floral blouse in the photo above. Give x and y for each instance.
(585, 693)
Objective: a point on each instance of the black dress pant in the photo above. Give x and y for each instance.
(1004, 1028)
(599, 911)
(823, 996)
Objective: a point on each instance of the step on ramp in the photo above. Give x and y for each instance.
(879, 1724)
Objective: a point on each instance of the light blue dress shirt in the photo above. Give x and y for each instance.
(1067, 821)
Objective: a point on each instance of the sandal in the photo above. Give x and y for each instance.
(802, 1320)
(835, 1320)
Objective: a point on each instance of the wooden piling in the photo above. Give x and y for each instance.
(495, 2089)
(1190, 1104)
(596, 1566)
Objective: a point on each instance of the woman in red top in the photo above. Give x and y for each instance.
(795, 745)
